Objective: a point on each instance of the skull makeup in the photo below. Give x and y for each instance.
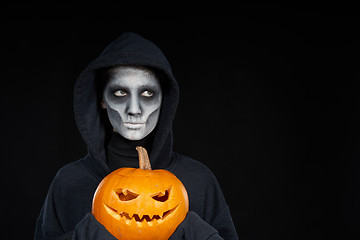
(132, 97)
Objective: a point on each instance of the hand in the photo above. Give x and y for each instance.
(193, 227)
(90, 229)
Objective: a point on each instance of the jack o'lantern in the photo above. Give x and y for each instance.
(140, 203)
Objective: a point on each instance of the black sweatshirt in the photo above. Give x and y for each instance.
(66, 212)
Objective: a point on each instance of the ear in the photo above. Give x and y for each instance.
(103, 105)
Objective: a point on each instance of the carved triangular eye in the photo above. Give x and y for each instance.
(162, 197)
(126, 195)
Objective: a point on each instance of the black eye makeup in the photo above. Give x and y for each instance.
(147, 92)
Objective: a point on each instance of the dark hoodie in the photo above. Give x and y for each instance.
(66, 213)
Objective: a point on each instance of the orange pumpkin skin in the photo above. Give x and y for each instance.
(140, 204)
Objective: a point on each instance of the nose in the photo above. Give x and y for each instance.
(134, 106)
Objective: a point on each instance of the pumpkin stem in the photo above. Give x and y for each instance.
(144, 162)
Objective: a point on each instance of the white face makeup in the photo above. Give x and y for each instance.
(132, 98)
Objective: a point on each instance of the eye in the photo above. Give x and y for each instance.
(147, 93)
(120, 93)
(162, 197)
(126, 195)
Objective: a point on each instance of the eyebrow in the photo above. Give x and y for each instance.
(142, 86)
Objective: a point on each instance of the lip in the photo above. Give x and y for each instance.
(133, 125)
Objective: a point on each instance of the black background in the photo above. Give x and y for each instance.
(269, 102)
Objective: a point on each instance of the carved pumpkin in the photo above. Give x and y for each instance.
(140, 203)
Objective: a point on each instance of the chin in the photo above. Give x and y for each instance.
(132, 138)
(134, 135)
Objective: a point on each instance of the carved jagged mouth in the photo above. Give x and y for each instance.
(138, 217)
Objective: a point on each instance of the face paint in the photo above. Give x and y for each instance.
(132, 98)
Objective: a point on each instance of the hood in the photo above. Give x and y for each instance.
(127, 49)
